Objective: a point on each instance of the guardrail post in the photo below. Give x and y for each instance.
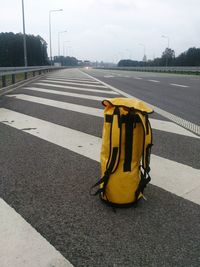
(25, 75)
(39, 72)
(3, 81)
(13, 78)
(33, 73)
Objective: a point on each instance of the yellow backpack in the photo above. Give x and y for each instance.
(125, 152)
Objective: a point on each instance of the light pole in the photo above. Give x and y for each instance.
(144, 58)
(50, 11)
(167, 37)
(59, 41)
(64, 46)
(24, 36)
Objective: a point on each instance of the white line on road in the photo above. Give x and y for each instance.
(137, 78)
(179, 85)
(166, 126)
(73, 80)
(79, 88)
(58, 104)
(154, 81)
(91, 97)
(79, 142)
(74, 83)
(21, 245)
(174, 177)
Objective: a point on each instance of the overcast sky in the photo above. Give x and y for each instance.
(108, 30)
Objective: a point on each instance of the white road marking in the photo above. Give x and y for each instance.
(91, 97)
(174, 177)
(182, 122)
(179, 85)
(78, 88)
(109, 76)
(74, 83)
(154, 81)
(79, 142)
(166, 126)
(137, 78)
(58, 104)
(73, 80)
(22, 246)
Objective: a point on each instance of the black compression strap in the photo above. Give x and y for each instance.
(129, 126)
(123, 119)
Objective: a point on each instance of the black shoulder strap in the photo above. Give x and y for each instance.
(147, 143)
(114, 155)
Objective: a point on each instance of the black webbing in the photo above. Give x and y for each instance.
(111, 163)
(129, 126)
(145, 179)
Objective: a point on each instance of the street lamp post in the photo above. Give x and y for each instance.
(167, 37)
(24, 36)
(144, 58)
(50, 11)
(59, 41)
(64, 46)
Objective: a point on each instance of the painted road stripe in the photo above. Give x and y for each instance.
(81, 143)
(74, 79)
(137, 78)
(165, 126)
(154, 81)
(91, 97)
(74, 83)
(179, 85)
(174, 177)
(58, 104)
(182, 122)
(79, 88)
(71, 80)
(22, 246)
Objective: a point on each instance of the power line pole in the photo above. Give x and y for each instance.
(24, 36)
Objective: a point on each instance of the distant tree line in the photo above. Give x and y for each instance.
(189, 58)
(12, 51)
(66, 61)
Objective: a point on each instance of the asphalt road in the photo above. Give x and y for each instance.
(48, 163)
(178, 94)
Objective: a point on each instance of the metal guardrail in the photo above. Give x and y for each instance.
(194, 70)
(9, 75)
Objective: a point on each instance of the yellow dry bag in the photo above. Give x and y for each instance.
(125, 152)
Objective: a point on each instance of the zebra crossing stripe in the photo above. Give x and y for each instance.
(78, 88)
(72, 80)
(74, 83)
(156, 124)
(55, 92)
(174, 177)
(59, 104)
(21, 245)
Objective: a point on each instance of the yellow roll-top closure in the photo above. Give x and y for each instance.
(127, 102)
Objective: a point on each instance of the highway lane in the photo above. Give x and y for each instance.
(177, 94)
(46, 172)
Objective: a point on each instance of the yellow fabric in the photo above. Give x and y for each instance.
(127, 102)
(122, 185)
